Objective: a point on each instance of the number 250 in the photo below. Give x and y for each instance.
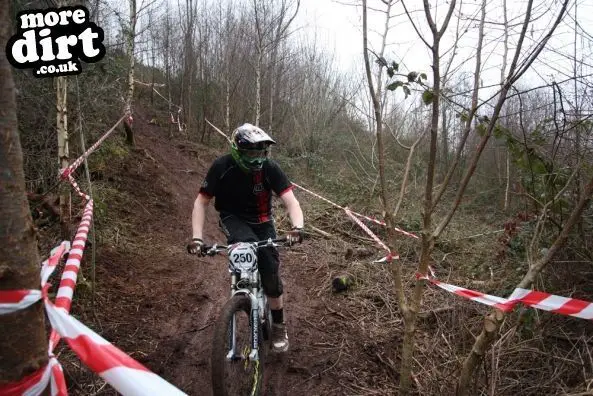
(243, 257)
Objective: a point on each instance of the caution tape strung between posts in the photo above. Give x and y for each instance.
(70, 272)
(382, 223)
(64, 173)
(531, 298)
(125, 374)
(119, 370)
(390, 255)
(180, 125)
(15, 300)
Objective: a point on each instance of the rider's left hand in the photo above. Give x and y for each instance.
(195, 247)
(296, 235)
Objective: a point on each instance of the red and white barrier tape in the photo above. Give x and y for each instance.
(552, 303)
(406, 233)
(77, 188)
(70, 273)
(64, 173)
(37, 382)
(532, 298)
(390, 255)
(15, 300)
(119, 370)
(34, 384)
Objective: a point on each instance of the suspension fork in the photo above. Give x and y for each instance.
(253, 320)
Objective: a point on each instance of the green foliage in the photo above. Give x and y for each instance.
(500, 131)
(406, 91)
(427, 96)
(481, 129)
(392, 69)
(394, 85)
(517, 249)
(411, 78)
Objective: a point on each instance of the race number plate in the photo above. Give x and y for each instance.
(242, 256)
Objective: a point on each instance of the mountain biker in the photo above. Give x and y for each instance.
(242, 183)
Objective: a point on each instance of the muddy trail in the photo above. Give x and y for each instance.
(159, 304)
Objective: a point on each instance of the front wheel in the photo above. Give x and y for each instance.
(235, 374)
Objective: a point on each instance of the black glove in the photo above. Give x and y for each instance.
(296, 235)
(195, 247)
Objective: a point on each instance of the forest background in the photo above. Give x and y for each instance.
(465, 122)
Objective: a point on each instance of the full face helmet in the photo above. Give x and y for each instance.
(250, 146)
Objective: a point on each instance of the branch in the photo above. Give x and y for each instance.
(414, 26)
(494, 320)
(496, 113)
(540, 45)
(431, 24)
(218, 130)
(406, 173)
(474, 108)
(448, 17)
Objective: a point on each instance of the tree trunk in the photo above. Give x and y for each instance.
(258, 73)
(227, 104)
(444, 143)
(507, 190)
(63, 152)
(130, 40)
(23, 342)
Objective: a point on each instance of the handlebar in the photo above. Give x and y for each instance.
(216, 248)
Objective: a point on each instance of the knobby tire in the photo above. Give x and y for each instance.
(247, 377)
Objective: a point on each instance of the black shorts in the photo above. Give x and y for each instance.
(238, 230)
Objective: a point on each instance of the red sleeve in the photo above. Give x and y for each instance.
(287, 189)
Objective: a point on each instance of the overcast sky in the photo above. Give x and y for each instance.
(337, 26)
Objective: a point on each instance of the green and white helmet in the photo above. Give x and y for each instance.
(250, 146)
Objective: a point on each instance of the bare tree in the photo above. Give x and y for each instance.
(271, 27)
(63, 151)
(130, 46)
(493, 321)
(23, 342)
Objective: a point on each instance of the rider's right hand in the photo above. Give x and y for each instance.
(196, 247)
(296, 235)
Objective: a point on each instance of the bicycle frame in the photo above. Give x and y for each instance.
(253, 290)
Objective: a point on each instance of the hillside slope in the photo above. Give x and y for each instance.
(159, 304)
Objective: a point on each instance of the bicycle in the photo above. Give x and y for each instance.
(240, 370)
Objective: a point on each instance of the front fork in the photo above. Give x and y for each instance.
(233, 354)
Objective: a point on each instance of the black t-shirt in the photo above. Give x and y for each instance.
(246, 195)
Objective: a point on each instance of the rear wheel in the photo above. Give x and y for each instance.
(235, 375)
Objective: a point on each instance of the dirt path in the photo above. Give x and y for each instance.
(159, 304)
